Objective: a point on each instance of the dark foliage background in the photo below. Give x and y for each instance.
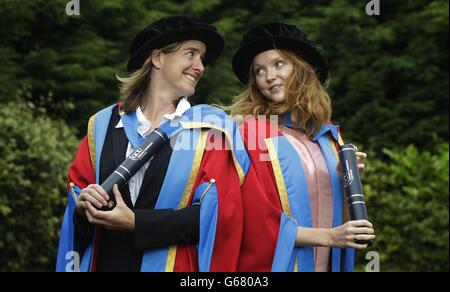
(389, 86)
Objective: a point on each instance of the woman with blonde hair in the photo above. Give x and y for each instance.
(293, 193)
(182, 210)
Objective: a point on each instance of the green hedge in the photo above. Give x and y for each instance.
(407, 198)
(34, 156)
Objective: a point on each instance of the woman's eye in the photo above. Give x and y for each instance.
(259, 72)
(190, 53)
(279, 64)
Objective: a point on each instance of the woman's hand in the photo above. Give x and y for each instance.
(347, 234)
(120, 218)
(95, 195)
(360, 160)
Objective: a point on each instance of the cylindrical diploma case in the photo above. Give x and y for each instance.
(134, 162)
(352, 184)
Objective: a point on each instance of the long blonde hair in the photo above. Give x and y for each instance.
(135, 86)
(306, 98)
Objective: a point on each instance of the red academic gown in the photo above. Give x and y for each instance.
(262, 203)
(217, 163)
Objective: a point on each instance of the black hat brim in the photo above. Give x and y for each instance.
(243, 57)
(213, 41)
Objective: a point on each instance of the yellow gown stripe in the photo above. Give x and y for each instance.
(278, 176)
(91, 141)
(281, 185)
(172, 252)
(195, 125)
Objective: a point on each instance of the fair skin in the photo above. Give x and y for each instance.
(272, 71)
(173, 76)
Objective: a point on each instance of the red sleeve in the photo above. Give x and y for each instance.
(218, 164)
(81, 172)
(262, 206)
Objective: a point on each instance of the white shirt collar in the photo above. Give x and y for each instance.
(183, 105)
(145, 125)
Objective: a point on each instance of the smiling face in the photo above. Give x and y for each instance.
(272, 71)
(180, 70)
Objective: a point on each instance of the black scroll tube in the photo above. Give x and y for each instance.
(151, 144)
(352, 185)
